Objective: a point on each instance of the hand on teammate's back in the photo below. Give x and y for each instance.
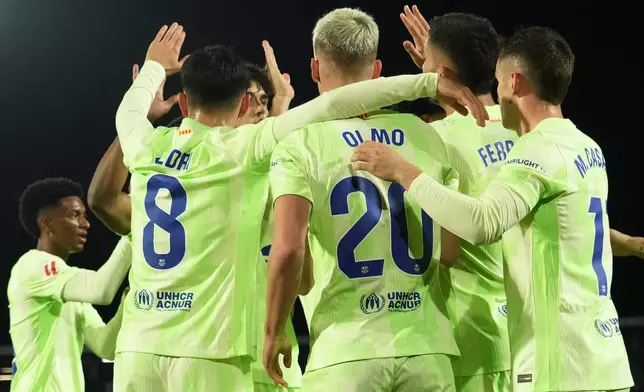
(160, 106)
(166, 47)
(418, 27)
(384, 162)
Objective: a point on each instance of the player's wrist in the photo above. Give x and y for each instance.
(406, 175)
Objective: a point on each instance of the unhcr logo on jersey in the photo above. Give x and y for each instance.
(403, 301)
(608, 328)
(372, 303)
(396, 301)
(170, 300)
(143, 299)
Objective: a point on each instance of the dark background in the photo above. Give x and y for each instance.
(66, 64)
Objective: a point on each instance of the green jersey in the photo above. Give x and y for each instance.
(474, 286)
(197, 195)
(47, 334)
(375, 254)
(563, 326)
(292, 375)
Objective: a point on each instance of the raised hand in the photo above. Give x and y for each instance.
(165, 48)
(418, 27)
(160, 106)
(284, 92)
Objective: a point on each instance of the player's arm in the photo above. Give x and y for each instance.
(132, 124)
(625, 245)
(99, 287)
(507, 200)
(450, 243)
(307, 281)
(291, 190)
(100, 338)
(355, 99)
(106, 197)
(49, 277)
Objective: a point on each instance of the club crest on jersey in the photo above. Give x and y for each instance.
(372, 303)
(143, 299)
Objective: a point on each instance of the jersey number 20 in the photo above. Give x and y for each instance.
(165, 221)
(358, 232)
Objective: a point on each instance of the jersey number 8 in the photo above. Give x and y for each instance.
(358, 232)
(165, 221)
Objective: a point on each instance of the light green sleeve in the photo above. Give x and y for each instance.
(101, 337)
(289, 174)
(46, 277)
(527, 177)
(356, 99)
(252, 145)
(132, 124)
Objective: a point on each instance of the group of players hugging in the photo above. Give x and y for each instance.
(468, 253)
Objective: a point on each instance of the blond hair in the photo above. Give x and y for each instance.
(348, 37)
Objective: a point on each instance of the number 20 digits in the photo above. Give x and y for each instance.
(358, 232)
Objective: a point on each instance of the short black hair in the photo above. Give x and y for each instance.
(473, 45)
(260, 76)
(43, 194)
(418, 107)
(215, 77)
(548, 59)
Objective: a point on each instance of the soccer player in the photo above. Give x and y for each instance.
(198, 196)
(563, 326)
(50, 311)
(466, 47)
(113, 206)
(376, 315)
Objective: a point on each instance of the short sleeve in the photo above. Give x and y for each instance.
(534, 169)
(288, 172)
(251, 145)
(46, 275)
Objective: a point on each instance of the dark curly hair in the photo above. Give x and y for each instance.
(44, 194)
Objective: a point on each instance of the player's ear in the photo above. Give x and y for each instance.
(445, 72)
(245, 105)
(377, 69)
(315, 70)
(183, 104)
(44, 224)
(517, 83)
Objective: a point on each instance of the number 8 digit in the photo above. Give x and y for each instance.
(167, 222)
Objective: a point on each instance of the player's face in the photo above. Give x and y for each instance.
(69, 224)
(258, 110)
(509, 110)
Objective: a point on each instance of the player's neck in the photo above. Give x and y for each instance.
(46, 245)
(339, 81)
(486, 100)
(533, 113)
(215, 119)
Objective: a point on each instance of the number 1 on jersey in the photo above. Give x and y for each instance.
(598, 247)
